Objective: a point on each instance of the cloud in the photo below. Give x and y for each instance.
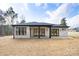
(74, 21)
(38, 4)
(45, 5)
(56, 15)
(4, 6)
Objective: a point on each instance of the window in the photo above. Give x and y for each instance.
(55, 32)
(21, 31)
(42, 31)
(63, 29)
(35, 31)
(17, 30)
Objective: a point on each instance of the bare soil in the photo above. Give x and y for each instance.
(39, 47)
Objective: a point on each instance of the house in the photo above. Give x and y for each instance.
(72, 30)
(39, 30)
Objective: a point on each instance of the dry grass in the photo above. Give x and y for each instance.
(55, 46)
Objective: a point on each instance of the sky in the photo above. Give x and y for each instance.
(46, 12)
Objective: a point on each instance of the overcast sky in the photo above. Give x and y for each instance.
(46, 12)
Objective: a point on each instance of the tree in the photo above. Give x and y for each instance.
(63, 22)
(11, 13)
(17, 22)
(2, 21)
(23, 21)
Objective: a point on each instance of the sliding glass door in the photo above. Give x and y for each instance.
(37, 32)
(42, 32)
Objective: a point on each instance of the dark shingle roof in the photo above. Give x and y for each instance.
(40, 24)
(34, 23)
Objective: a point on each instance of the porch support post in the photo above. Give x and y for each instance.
(39, 32)
(30, 31)
(14, 32)
(50, 32)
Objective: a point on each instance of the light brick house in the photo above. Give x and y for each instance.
(39, 30)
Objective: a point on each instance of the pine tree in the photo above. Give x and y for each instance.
(63, 22)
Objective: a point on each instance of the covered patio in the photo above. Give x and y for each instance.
(40, 32)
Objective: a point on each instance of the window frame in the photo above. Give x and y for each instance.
(54, 32)
(42, 31)
(21, 30)
(35, 32)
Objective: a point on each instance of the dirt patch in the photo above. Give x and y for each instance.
(43, 47)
